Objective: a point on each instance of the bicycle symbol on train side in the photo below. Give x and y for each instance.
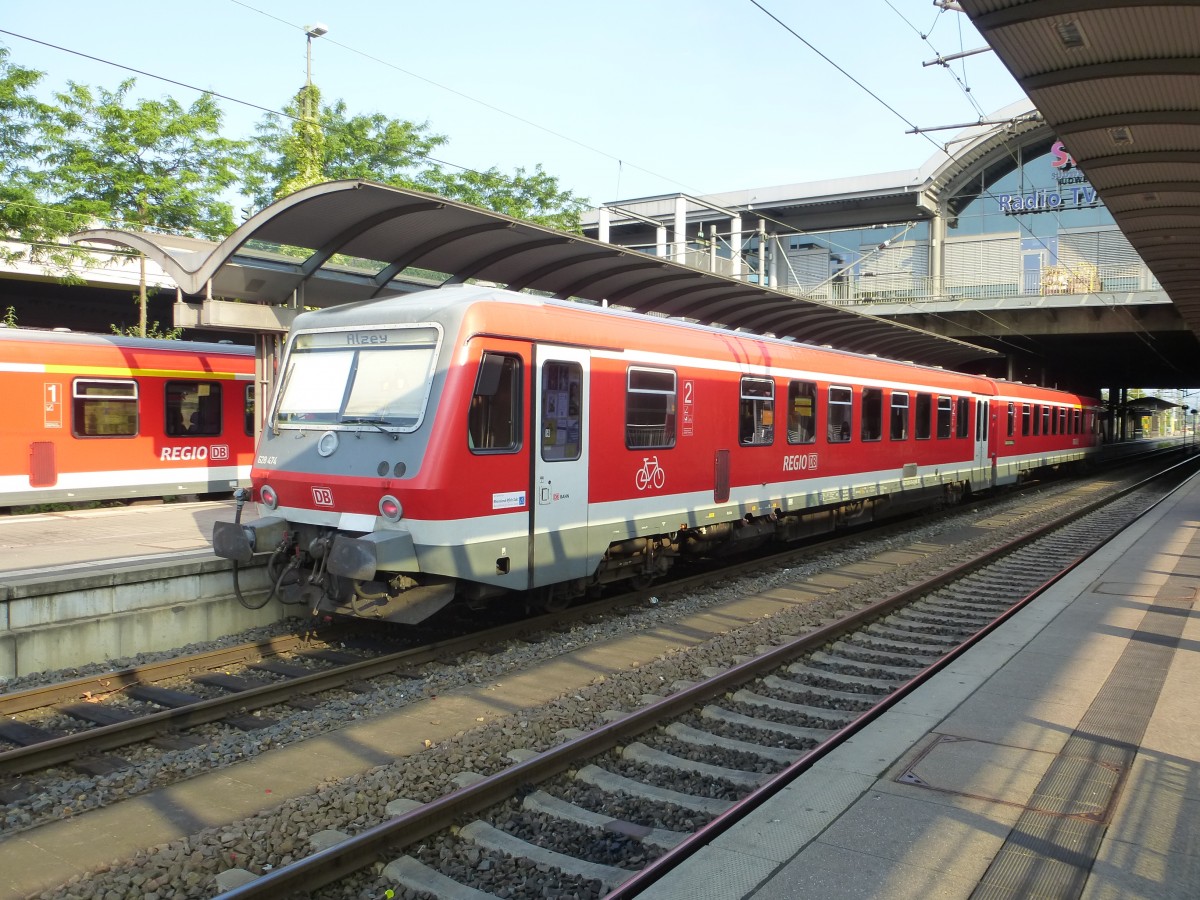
(650, 474)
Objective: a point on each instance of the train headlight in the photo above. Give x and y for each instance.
(268, 497)
(390, 508)
(327, 443)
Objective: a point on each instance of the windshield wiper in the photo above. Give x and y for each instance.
(377, 421)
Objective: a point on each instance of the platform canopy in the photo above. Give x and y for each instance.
(1149, 405)
(1119, 82)
(355, 240)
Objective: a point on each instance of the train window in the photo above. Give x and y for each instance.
(1077, 422)
(249, 409)
(494, 420)
(945, 412)
(924, 422)
(1012, 419)
(1062, 420)
(1037, 419)
(562, 411)
(981, 420)
(962, 425)
(1025, 419)
(193, 407)
(872, 414)
(388, 385)
(377, 377)
(841, 414)
(104, 407)
(899, 419)
(1046, 419)
(756, 412)
(649, 408)
(802, 412)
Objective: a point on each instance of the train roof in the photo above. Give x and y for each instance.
(79, 338)
(453, 302)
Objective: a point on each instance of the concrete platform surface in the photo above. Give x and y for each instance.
(80, 540)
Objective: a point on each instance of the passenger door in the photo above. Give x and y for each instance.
(560, 464)
(984, 464)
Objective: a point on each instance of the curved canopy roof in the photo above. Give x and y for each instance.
(353, 240)
(1119, 82)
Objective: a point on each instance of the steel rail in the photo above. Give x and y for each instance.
(118, 680)
(110, 737)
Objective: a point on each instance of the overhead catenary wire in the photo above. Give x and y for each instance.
(1138, 329)
(424, 156)
(436, 160)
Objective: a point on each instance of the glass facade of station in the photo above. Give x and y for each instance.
(1027, 224)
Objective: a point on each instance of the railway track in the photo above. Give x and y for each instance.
(80, 722)
(610, 811)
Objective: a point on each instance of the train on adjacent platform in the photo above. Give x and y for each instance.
(101, 417)
(469, 444)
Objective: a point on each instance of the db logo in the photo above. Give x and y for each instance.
(218, 451)
(322, 496)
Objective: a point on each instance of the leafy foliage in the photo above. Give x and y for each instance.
(102, 157)
(535, 197)
(23, 119)
(293, 153)
(153, 330)
(390, 151)
(151, 163)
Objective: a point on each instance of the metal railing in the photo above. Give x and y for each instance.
(849, 288)
(903, 287)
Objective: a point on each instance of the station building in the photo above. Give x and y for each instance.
(1000, 240)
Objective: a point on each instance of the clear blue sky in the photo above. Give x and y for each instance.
(618, 99)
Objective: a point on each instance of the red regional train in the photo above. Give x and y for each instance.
(99, 417)
(466, 443)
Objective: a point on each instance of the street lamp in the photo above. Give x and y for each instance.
(312, 31)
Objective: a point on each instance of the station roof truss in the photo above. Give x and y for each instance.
(354, 240)
(1119, 82)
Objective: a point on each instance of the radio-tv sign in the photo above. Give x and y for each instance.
(1072, 190)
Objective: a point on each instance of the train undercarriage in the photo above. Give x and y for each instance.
(376, 576)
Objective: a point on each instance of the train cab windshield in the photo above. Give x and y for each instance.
(378, 377)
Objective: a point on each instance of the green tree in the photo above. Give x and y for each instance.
(149, 164)
(390, 151)
(26, 211)
(290, 153)
(305, 145)
(535, 197)
(152, 164)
